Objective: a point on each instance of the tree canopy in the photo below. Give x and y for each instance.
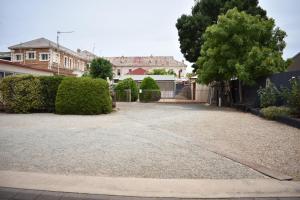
(205, 13)
(162, 72)
(100, 68)
(241, 46)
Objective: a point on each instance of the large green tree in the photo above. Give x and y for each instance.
(205, 13)
(100, 68)
(241, 46)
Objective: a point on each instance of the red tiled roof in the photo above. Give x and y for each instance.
(138, 71)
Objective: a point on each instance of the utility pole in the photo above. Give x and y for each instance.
(57, 42)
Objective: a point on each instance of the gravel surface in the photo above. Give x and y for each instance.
(148, 140)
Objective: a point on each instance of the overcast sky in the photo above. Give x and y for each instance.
(120, 27)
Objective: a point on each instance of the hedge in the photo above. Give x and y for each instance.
(84, 96)
(150, 90)
(274, 112)
(49, 87)
(122, 88)
(21, 94)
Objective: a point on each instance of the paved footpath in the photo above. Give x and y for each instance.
(22, 194)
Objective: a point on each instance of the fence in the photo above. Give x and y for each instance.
(249, 93)
(128, 96)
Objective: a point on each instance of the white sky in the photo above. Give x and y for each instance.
(119, 27)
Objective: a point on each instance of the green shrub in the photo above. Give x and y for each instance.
(49, 87)
(294, 96)
(21, 94)
(269, 95)
(122, 90)
(84, 96)
(274, 112)
(150, 90)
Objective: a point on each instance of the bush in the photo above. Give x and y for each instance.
(100, 68)
(268, 96)
(21, 94)
(294, 96)
(274, 112)
(49, 87)
(84, 96)
(150, 90)
(122, 90)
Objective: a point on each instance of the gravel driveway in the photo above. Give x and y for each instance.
(148, 140)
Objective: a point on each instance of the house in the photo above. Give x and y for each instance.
(166, 83)
(295, 65)
(199, 92)
(45, 54)
(5, 55)
(8, 68)
(126, 65)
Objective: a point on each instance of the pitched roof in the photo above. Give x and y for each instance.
(155, 77)
(88, 55)
(138, 71)
(295, 65)
(24, 66)
(146, 61)
(44, 43)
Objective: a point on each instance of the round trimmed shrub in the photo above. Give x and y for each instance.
(21, 94)
(150, 90)
(83, 96)
(49, 87)
(122, 88)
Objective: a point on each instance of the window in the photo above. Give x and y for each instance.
(118, 72)
(56, 57)
(70, 63)
(65, 61)
(30, 55)
(44, 56)
(18, 57)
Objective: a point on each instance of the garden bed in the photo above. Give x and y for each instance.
(294, 122)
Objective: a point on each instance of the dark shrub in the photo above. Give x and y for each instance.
(294, 96)
(122, 90)
(49, 87)
(84, 96)
(21, 94)
(269, 95)
(274, 112)
(150, 90)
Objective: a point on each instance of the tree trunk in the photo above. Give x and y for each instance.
(240, 92)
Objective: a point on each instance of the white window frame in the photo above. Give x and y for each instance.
(56, 57)
(27, 55)
(70, 63)
(15, 57)
(41, 57)
(66, 64)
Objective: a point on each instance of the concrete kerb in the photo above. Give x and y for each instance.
(146, 187)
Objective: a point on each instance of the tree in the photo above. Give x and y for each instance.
(162, 72)
(100, 68)
(205, 13)
(241, 46)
